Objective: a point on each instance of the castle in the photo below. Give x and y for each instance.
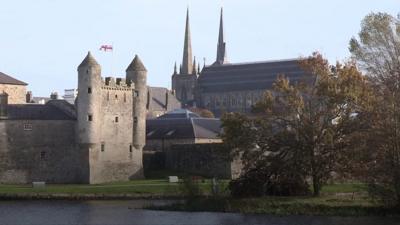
(224, 86)
(99, 139)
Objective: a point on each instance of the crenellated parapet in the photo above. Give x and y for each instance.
(121, 84)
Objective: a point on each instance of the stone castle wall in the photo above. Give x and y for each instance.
(115, 158)
(16, 93)
(39, 150)
(209, 160)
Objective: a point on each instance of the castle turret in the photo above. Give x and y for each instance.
(89, 103)
(138, 74)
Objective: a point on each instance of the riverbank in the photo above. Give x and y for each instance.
(335, 199)
(283, 206)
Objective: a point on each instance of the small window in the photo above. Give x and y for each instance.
(136, 94)
(42, 155)
(27, 126)
(135, 119)
(124, 97)
(90, 117)
(103, 147)
(116, 119)
(116, 96)
(130, 148)
(89, 90)
(108, 96)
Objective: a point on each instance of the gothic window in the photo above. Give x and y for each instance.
(136, 94)
(90, 117)
(116, 96)
(89, 90)
(108, 96)
(130, 148)
(124, 97)
(135, 120)
(103, 146)
(116, 119)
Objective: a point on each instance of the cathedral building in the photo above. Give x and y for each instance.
(224, 86)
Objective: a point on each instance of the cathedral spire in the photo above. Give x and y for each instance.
(221, 48)
(175, 69)
(187, 66)
(194, 66)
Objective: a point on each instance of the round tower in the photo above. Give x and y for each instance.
(89, 102)
(137, 73)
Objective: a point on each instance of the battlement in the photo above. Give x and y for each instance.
(118, 83)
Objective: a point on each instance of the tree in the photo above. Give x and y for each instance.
(306, 125)
(377, 52)
(202, 112)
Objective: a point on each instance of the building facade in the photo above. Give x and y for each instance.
(229, 87)
(15, 89)
(99, 139)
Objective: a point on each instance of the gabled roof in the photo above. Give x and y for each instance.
(179, 114)
(48, 111)
(157, 99)
(248, 76)
(6, 79)
(182, 124)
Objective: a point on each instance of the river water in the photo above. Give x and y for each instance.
(129, 212)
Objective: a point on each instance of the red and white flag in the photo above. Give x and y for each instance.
(106, 48)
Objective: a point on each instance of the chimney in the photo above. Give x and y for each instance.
(3, 105)
(54, 95)
(29, 97)
(166, 99)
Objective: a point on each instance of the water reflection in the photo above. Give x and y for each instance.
(129, 212)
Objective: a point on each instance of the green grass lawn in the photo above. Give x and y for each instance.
(156, 186)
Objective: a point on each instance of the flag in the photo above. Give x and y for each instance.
(106, 48)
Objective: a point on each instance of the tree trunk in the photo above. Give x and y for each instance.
(316, 185)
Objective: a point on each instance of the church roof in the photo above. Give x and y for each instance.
(6, 79)
(248, 76)
(47, 111)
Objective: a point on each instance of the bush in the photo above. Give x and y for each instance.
(256, 183)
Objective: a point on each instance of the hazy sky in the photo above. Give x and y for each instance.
(43, 41)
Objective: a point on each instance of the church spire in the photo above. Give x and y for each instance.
(221, 48)
(175, 69)
(187, 66)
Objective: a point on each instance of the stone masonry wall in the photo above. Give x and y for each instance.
(209, 160)
(16, 93)
(118, 159)
(40, 150)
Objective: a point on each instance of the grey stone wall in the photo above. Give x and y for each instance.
(39, 150)
(184, 86)
(209, 160)
(238, 101)
(16, 93)
(118, 159)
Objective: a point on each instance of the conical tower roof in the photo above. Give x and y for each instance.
(88, 61)
(136, 65)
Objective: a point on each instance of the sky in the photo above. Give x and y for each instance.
(43, 41)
